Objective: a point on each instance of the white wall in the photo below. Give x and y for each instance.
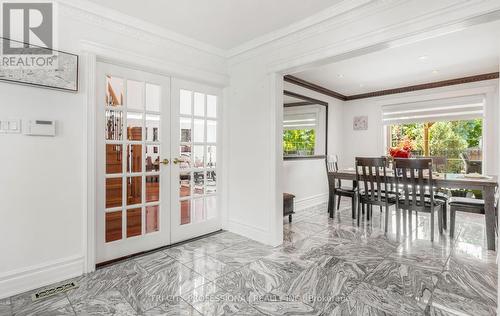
(42, 188)
(255, 200)
(306, 179)
(372, 142)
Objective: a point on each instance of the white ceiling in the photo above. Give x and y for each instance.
(224, 24)
(473, 51)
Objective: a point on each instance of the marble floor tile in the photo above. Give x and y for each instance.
(238, 256)
(209, 267)
(423, 253)
(5, 307)
(155, 262)
(353, 307)
(385, 301)
(468, 280)
(324, 267)
(145, 291)
(108, 303)
(210, 299)
(56, 305)
(263, 285)
(325, 284)
(403, 279)
(103, 280)
(448, 303)
(198, 248)
(260, 277)
(365, 256)
(304, 228)
(228, 239)
(290, 236)
(175, 307)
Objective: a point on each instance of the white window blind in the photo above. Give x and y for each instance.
(451, 109)
(300, 121)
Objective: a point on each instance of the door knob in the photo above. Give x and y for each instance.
(165, 161)
(177, 161)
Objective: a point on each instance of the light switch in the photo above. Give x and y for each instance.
(13, 125)
(10, 126)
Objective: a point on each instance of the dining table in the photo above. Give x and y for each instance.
(487, 184)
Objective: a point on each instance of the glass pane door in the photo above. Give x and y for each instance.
(134, 141)
(194, 173)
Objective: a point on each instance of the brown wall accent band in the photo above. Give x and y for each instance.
(314, 87)
(303, 97)
(424, 86)
(298, 104)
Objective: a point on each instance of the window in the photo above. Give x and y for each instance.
(449, 131)
(304, 131)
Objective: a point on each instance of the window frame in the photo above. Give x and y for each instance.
(307, 101)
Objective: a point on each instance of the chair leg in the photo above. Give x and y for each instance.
(410, 212)
(386, 216)
(353, 206)
(445, 215)
(452, 222)
(338, 203)
(368, 210)
(440, 219)
(398, 221)
(359, 211)
(330, 195)
(432, 225)
(405, 224)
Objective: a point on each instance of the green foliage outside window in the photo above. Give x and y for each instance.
(446, 139)
(299, 142)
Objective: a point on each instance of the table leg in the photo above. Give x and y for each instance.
(489, 208)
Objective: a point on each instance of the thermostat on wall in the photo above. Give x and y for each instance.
(40, 128)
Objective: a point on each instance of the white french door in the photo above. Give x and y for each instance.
(157, 161)
(133, 148)
(195, 140)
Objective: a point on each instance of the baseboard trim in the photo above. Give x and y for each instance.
(30, 278)
(250, 232)
(314, 200)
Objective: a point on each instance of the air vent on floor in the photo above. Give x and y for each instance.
(53, 291)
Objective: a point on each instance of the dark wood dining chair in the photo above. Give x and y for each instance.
(372, 173)
(336, 189)
(468, 205)
(414, 177)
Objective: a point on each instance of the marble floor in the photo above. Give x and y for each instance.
(325, 267)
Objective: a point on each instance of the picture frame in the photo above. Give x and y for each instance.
(360, 123)
(60, 72)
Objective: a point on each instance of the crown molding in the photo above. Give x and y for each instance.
(130, 26)
(326, 14)
(424, 86)
(314, 87)
(110, 54)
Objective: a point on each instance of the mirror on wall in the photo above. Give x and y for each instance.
(304, 127)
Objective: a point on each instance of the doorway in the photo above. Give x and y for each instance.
(156, 166)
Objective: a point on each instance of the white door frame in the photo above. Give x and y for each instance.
(92, 53)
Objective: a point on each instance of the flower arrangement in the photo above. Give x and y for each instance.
(403, 150)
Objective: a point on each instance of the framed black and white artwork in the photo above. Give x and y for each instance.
(47, 68)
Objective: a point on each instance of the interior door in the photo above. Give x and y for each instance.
(133, 148)
(196, 156)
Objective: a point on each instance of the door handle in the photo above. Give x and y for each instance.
(177, 161)
(165, 161)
